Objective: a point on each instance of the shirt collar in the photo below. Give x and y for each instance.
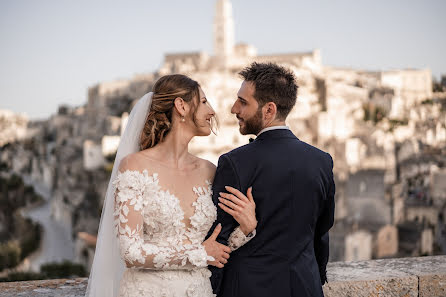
(273, 128)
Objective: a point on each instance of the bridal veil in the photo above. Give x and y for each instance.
(108, 266)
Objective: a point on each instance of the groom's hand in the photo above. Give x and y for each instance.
(218, 251)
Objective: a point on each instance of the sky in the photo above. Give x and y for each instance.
(53, 50)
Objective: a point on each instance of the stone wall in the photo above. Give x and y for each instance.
(420, 276)
(411, 277)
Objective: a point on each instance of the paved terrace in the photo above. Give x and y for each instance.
(408, 277)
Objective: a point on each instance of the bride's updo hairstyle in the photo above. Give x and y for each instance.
(159, 118)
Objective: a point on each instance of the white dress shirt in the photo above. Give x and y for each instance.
(272, 128)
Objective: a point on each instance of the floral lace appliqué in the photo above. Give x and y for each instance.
(149, 224)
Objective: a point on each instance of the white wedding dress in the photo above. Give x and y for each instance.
(166, 254)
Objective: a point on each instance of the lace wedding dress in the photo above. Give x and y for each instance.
(165, 255)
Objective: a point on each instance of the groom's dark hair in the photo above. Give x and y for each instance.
(273, 83)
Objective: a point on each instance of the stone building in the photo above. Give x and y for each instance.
(412, 85)
(438, 186)
(12, 126)
(93, 157)
(386, 242)
(365, 196)
(110, 145)
(358, 246)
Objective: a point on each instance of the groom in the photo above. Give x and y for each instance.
(293, 188)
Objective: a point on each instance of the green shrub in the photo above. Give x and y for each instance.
(108, 167)
(3, 166)
(14, 182)
(394, 123)
(111, 158)
(9, 254)
(31, 241)
(427, 102)
(29, 190)
(36, 198)
(14, 251)
(373, 113)
(65, 269)
(54, 270)
(22, 276)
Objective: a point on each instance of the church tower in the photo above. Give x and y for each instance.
(223, 33)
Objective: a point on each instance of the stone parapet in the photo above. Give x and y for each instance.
(411, 277)
(408, 277)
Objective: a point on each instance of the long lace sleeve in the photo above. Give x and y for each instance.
(137, 253)
(238, 238)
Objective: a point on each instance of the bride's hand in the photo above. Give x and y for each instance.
(218, 251)
(241, 207)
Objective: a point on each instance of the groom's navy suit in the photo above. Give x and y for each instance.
(293, 189)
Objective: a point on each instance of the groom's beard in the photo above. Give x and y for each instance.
(253, 125)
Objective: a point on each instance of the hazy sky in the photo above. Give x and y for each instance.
(52, 51)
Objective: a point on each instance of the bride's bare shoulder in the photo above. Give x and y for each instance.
(132, 162)
(208, 168)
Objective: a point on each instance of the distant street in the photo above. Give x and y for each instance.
(56, 244)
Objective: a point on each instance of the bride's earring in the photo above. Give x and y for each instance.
(183, 119)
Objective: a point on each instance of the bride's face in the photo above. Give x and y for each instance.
(203, 115)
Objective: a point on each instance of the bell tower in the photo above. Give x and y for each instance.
(223, 33)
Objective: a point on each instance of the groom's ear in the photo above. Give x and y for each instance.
(269, 111)
(180, 106)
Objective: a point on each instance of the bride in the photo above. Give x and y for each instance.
(158, 207)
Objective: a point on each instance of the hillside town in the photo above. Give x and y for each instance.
(386, 131)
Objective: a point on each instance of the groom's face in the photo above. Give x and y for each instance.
(246, 109)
